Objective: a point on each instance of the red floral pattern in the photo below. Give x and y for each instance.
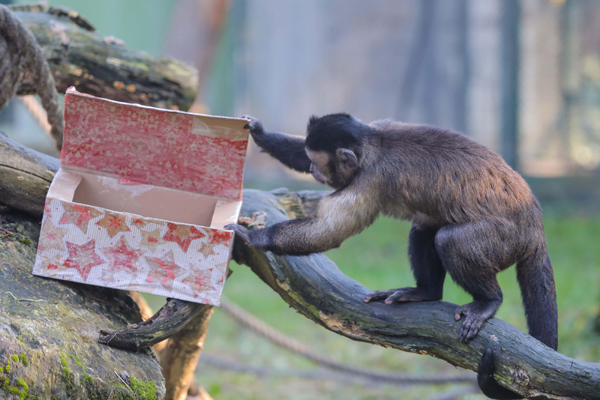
(159, 147)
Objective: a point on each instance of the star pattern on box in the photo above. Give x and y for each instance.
(164, 270)
(138, 222)
(207, 249)
(114, 223)
(199, 281)
(183, 235)
(53, 263)
(219, 237)
(122, 257)
(109, 261)
(54, 239)
(47, 209)
(151, 238)
(82, 257)
(78, 215)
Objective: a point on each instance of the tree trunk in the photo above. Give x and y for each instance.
(180, 356)
(106, 67)
(49, 329)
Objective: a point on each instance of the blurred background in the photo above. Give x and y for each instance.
(522, 77)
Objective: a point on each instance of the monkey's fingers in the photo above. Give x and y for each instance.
(240, 231)
(254, 124)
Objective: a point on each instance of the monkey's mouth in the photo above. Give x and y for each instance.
(319, 178)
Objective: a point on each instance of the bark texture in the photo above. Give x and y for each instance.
(105, 66)
(314, 286)
(49, 330)
(180, 356)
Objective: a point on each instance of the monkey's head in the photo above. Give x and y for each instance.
(333, 145)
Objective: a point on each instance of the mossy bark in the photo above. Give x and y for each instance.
(106, 67)
(49, 330)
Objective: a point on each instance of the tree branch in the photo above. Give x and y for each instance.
(105, 67)
(315, 287)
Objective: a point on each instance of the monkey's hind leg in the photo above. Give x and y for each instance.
(470, 254)
(427, 269)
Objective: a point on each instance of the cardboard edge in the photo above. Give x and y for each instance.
(226, 212)
(64, 185)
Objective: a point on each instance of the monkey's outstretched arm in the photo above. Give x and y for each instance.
(338, 218)
(288, 149)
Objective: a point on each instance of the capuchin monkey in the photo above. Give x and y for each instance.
(472, 215)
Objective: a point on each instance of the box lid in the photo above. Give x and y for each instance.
(175, 149)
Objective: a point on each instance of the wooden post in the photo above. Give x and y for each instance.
(511, 17)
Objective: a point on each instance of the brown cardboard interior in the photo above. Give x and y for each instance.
(145, 200)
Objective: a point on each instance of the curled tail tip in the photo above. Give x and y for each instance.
(486, 381)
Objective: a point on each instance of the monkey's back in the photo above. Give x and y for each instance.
(445, 176)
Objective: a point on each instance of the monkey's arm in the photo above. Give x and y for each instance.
(288, 149)
(339, 216)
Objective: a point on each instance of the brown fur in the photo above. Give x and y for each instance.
(473, 216)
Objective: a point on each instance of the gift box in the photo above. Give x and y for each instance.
(141, 199)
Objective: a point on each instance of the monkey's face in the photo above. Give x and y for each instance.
(334, 170)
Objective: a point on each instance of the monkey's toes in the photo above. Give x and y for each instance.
(379, 295)
(470, 329)
(472, 322)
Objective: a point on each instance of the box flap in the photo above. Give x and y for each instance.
(175, 149)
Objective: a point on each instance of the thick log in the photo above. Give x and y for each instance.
(25, 176)
(315, 287)
(48, 330)
(106, 67)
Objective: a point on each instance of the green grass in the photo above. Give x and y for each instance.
(377, 258)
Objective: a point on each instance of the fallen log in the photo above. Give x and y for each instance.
(105, 67)
(48, 328)
(314, 286)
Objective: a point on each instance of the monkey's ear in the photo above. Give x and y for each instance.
(347, 160)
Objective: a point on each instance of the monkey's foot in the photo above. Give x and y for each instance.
(402, 294)
(475, 313)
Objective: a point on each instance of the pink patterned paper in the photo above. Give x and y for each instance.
(95, 246)
(128, 145)
(191, 152)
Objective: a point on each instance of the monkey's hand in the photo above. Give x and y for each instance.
(255, 127)
(256, 238)
(240, 231)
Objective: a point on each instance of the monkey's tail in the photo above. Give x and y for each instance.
(536, 280)
(486, 381)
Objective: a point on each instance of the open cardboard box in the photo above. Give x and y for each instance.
(141, 199)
